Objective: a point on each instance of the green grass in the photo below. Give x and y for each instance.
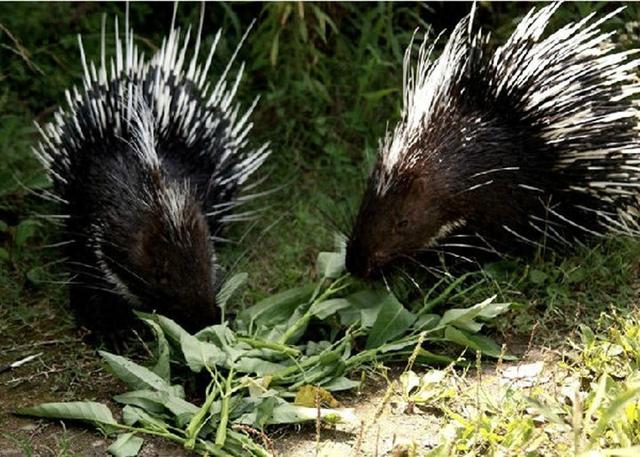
(329, 76)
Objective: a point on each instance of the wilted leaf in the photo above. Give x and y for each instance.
(223, 338)
(308, 394)
(258, 366)
(172, 330)
(290, 414)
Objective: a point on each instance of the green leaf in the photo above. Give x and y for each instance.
(264, 411)
(341, 383)
(538, 277)
(154, 402)
(172, 330)
(613, 410)
(330, 264)
(199, 354)
(132, 415)
(500, 270)
(477, 342)
(229, 287)
(127, 445)
(4, 255)
(376, 95)
(426, 322)
(25, 230)
(4, 227)
(326, 308)
(392, 321)
(87, 411)
(37, 275)
(465, 318)
(134, 375)
(277, 308)
(258, 366)
(162, 367)
(365, 307)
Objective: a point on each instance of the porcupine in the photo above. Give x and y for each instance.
(147, 162)
(533, 146)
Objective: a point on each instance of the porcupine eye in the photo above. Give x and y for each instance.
(402, 224)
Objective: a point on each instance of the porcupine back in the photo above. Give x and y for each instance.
(532, 146)
(147, 162)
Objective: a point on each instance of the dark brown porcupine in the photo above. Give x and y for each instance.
(534, 145)
(147, 162)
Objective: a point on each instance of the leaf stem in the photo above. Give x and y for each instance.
(221, 432)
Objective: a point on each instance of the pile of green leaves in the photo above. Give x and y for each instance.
(265, 368)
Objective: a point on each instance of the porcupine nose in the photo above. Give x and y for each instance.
(362, 266)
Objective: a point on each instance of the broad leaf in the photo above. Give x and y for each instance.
(87, 411)
(199, 354)
(326, 308)
(465, 318)
(127, 445)
(393, 321)
(156, 402)
(276, 308)
(258, 366)
(134, 375)
(365, 306)
(330, 264)
(476, 342)
(132, 415)
(223, 338)
(341, 383)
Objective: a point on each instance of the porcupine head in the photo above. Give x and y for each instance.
(411, 199)
(538, 140)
